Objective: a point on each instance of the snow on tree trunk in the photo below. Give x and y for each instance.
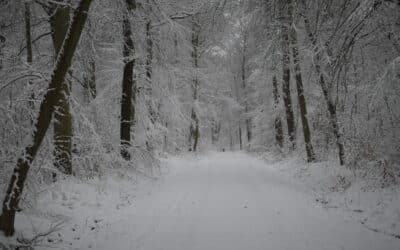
(47, 108)
(59, 21)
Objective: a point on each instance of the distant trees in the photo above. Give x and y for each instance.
(341, 40)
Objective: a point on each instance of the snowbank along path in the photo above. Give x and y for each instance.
(233, 201)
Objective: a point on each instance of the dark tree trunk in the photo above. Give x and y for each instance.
(128, 83)
(300, 88)
(278, 122)
(325, 90)
(90, 79)
(240, 138)
(243, 77)
(47, 108)
(287, 99)
(59, 21)
(215, 130)
(28, 32)
(29, 55)
(149, 68)
(194, 127)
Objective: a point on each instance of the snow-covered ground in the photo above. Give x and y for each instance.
(214, 201)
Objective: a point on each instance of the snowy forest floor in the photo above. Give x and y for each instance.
(217, 201)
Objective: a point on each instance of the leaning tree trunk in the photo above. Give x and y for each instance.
(278, 122)
(287, 99)
(59, 21)
(300, 88)
(47, 108)
(194, 126)
(325, 90)
(128, 83)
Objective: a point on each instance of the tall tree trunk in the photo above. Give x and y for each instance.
(287, 98)
(28, 37)
(47, 108)
(243, 77)
(325, 90)
(128, 83)
(194, 127)
(59, 21)
(149, 64)
(300, 88)
(278, 122)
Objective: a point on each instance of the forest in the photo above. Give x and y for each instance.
(183, 124)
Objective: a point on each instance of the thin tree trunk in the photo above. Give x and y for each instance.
(325, 90)
(47, 108)
(149, 65)
(89, 78)
(243, 76)
(28, 37)
(287, 99)
(59, 21)
(194, 127)
(128, 84)
(240, 138)
(300, 88)
(278, 122)
(28, 32)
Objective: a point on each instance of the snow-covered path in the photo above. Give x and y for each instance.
(235, 202)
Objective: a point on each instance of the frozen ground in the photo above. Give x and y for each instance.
(216, 201)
